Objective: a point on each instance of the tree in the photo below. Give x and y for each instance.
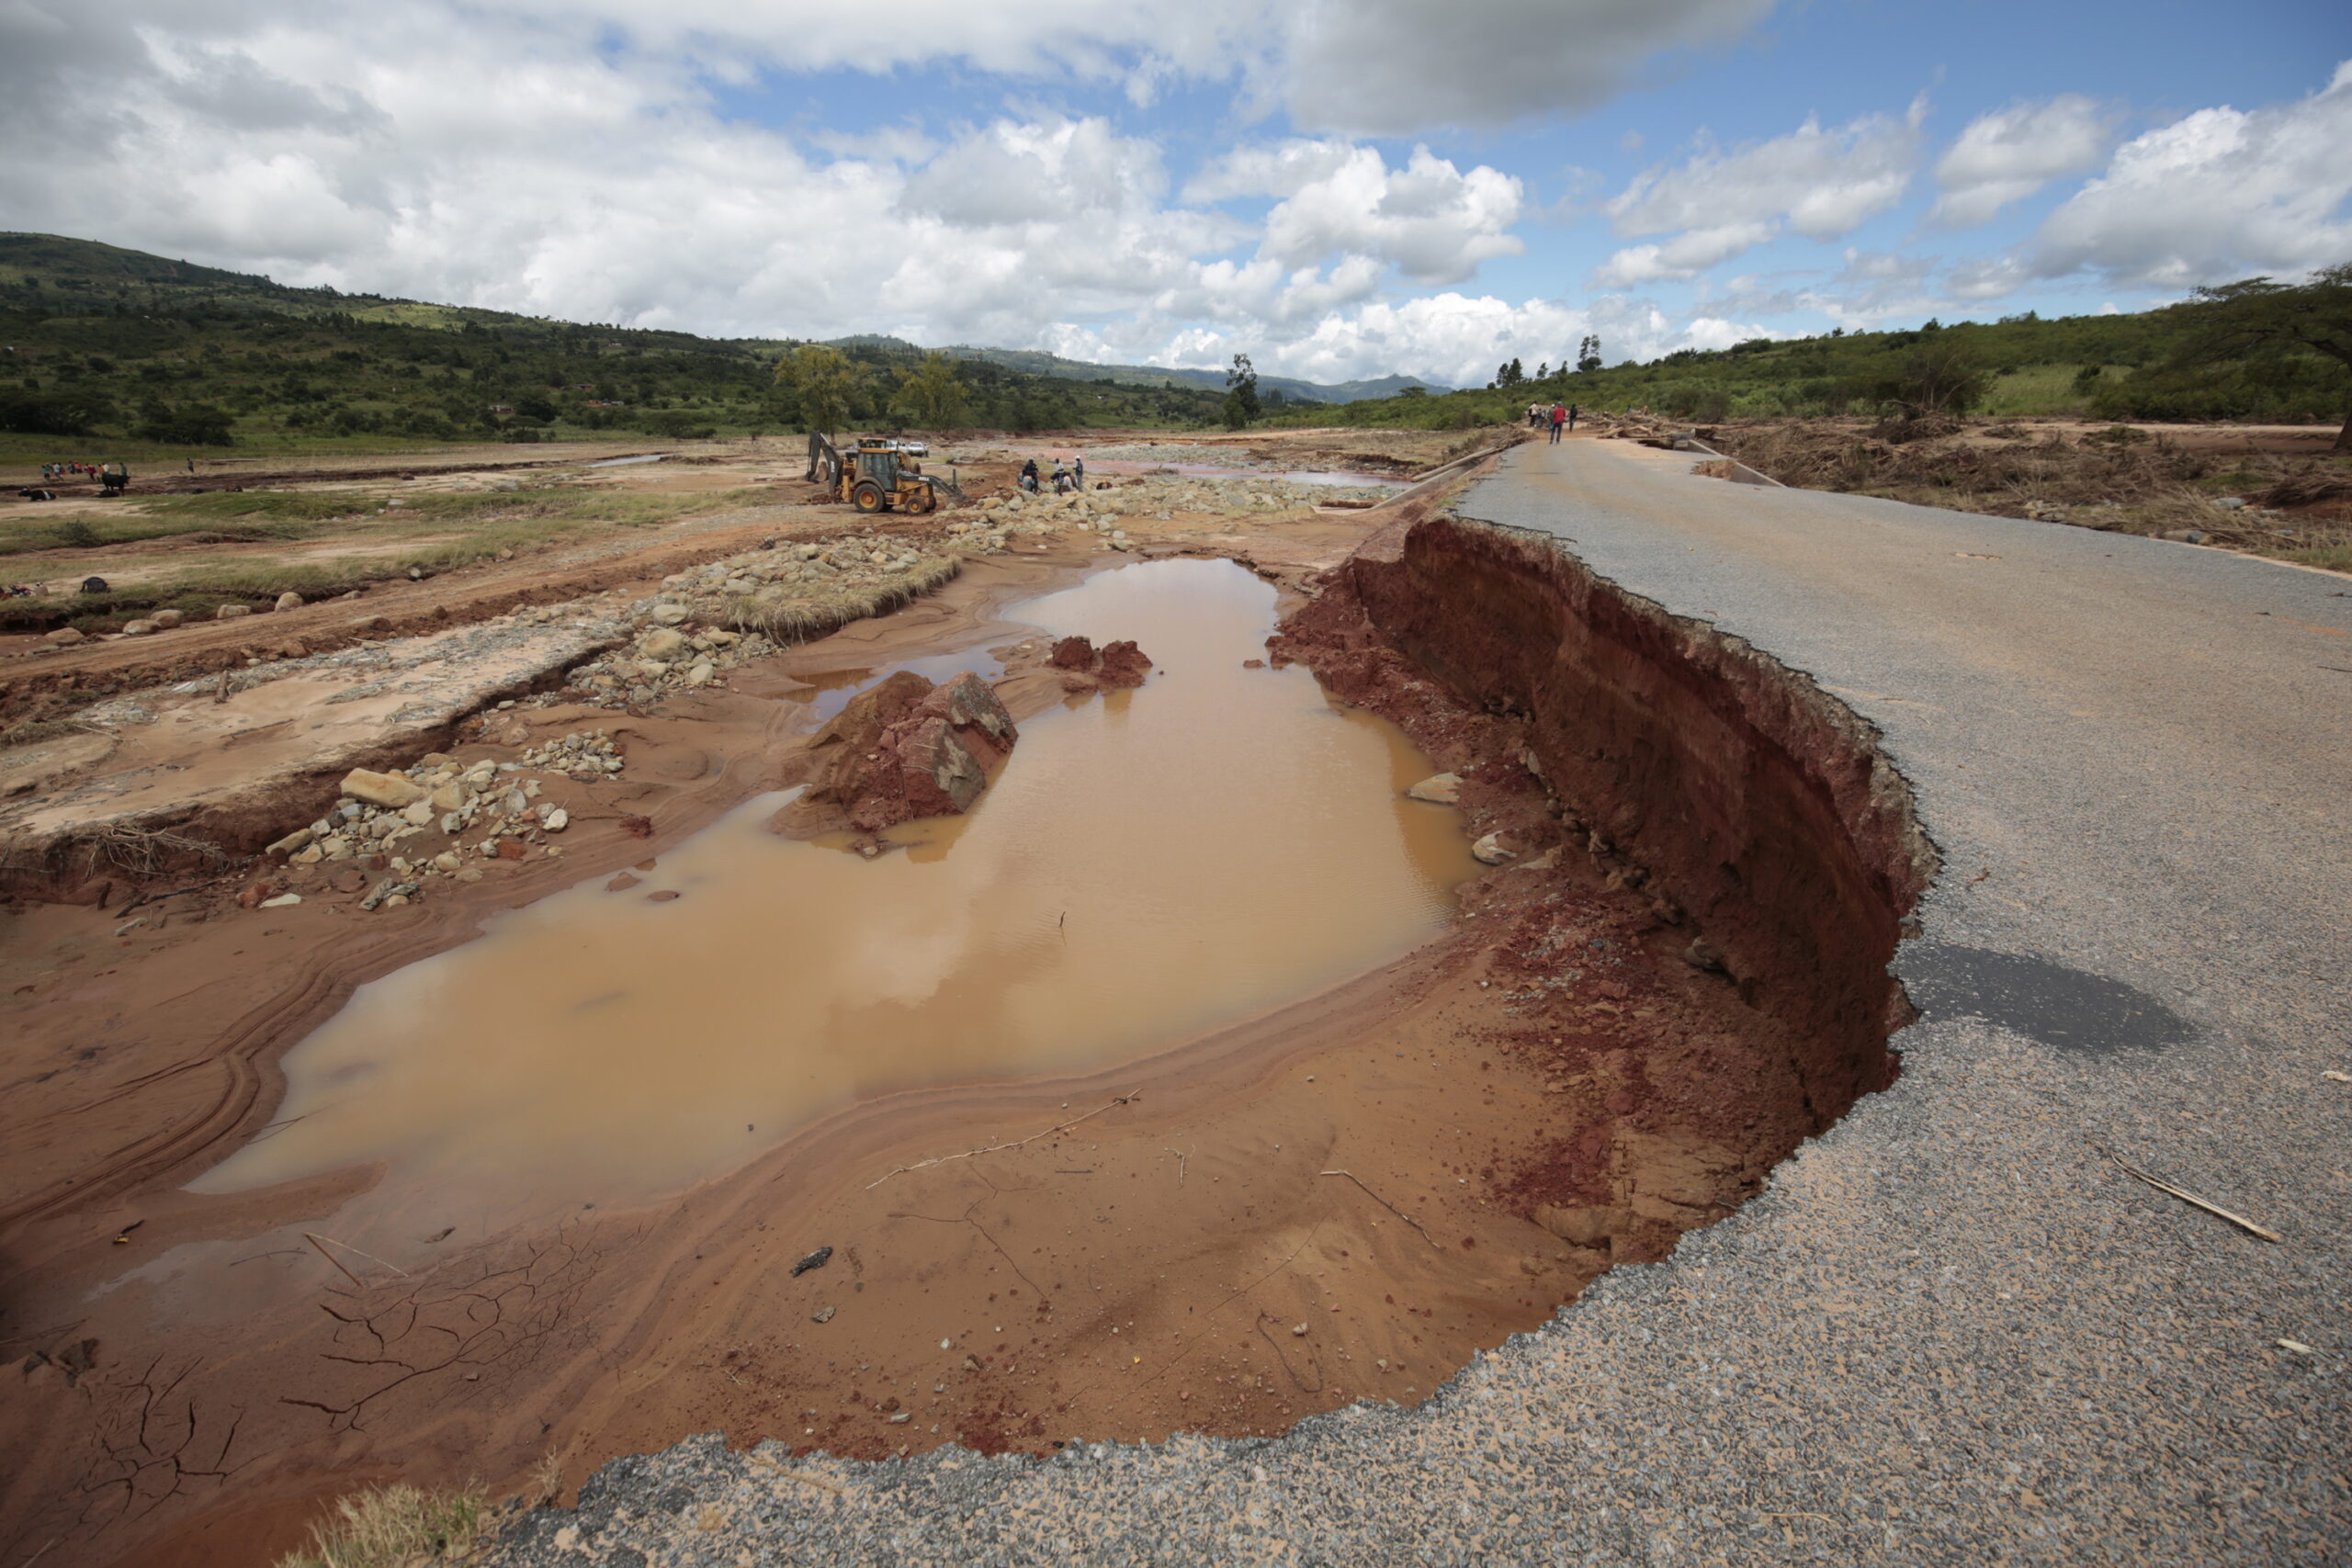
(826, 382)
(1543, 370)
(1589, 353)
(934, 392)
(1240, 393)
(2260, 316)
(1937, 377)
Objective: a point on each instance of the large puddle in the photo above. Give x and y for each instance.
(1149, 866)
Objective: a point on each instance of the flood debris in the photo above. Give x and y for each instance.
(1085, 668)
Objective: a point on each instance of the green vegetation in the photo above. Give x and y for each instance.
(2256, 352)
(115, 353)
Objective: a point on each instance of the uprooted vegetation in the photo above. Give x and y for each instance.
(2122, 479)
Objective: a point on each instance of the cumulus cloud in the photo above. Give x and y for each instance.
(2214, 196)
(2010, 154)
(1821, 183)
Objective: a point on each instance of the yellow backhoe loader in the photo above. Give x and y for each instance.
(873, 475)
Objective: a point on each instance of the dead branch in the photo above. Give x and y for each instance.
(2193, 1199)
(1384, 1203)
(321, 1242)
(998, 1148)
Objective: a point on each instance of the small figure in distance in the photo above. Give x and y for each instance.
(1559, 418)
(1029, 476)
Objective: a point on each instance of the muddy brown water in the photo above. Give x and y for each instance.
(1149, 866)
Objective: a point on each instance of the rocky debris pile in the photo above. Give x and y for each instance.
(662, 659)
(1195, 453)
(904, 749)
(1085, 668)
(1102, 509)
(431, 819)
(792, 592)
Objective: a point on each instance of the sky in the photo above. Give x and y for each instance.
(1340, 190)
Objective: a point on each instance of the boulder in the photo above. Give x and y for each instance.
(231, 612)
(386, 790)
(907, 749)
(1489, 850)
(1074, 653)
(1439, 789)
(1124, 664)
(289, 600)
(671, 614)
(662, 643)
(166, 619)
(138, 628)
(63, 636)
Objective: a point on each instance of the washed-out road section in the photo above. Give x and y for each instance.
(1955, 1329)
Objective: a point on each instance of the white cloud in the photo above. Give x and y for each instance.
(2008, 154)
(1823, 184)
(2212, 197)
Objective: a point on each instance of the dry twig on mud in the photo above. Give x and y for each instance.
(320, 1242)
(2193, 1199)
(1384, 1203)
(143, 851)
(998, 1148)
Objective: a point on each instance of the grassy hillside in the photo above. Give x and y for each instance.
(111, 353)
(2106, 367)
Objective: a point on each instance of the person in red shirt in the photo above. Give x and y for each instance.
(1559, 418)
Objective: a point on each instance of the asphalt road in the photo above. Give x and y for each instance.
(1953, 1331)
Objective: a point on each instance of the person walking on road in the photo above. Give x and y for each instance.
(1559, 418)
(1572, 417)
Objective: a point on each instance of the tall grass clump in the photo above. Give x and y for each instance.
(394, 1527)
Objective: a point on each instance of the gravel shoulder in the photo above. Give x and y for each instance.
(1953, 1330)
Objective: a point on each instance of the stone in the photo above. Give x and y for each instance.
(511, 849)
(1489, 850)
(310, 856)
(557, 820)
(387, 790)
(822, 1314)
(166, 619)
(63, 636)
(1703, 955)
(1439, 789)
(1123, 665)
(289, 600)
(1073, 653)
(231, 612)
(662, 643)
(283, 901)
(452, 797)
(139, 629)
(298, 838)
(671, 614)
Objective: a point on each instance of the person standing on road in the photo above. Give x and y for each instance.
(1078, 466)
(1559, 418)
(1572, 417)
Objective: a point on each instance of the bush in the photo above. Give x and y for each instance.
(53, 414)
(192, 425)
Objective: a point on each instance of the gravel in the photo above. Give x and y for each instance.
(1951, 1331)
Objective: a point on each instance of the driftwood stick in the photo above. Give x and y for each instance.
(321, 1242)
(1384, 1203)
(2192, 1199)
(998, 1148)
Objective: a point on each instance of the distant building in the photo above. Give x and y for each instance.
(502, 407)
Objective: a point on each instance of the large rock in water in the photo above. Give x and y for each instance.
(1113, 665)
(907, 749)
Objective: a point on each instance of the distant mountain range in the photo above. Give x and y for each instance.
(1036, 362)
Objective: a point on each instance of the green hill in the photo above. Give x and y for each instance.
(2106, 367)
(144, 355)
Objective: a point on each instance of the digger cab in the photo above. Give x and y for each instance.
(886, 475)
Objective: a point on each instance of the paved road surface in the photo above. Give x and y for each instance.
(1951, 1332)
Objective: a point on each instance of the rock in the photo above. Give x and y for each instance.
(1254, 664)
(662, 643)
(63, 636)
(509, 849)
(1124, 664)
(1577, 1227)
(452, 797)
(447, 861)
(666, 896)
(231, 612)
(418, 813)
(251, 897)
(166, 619)
(1703, 955)
(139, 629)
(288, 599)
(1439, 789)
(283, 901)
(310, 856)
(671, 614)
(906, 750)
(1489, 850)
(557, 820)
(300, 839)
(816, 1259)
(822, 1314)
(350, 879)
(1073, 653)
(387, 790)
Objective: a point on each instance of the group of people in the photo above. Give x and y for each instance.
(1556, 416)
(1064, 480)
